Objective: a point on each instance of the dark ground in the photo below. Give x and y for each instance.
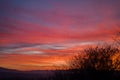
(9, 74)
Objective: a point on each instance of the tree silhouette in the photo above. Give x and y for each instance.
(97, 58)
(97, 63)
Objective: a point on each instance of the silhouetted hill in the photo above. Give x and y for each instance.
(10, 74)
(7, 70)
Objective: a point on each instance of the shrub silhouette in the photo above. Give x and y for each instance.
(97, 63)
(98, 58)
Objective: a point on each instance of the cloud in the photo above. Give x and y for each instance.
(60, 26)
(25, 48)
(49, 30)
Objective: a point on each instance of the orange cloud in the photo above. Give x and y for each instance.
(31, 62)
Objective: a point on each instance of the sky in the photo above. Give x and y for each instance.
(44, 34)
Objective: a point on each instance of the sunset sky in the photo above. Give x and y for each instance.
(44, 34)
